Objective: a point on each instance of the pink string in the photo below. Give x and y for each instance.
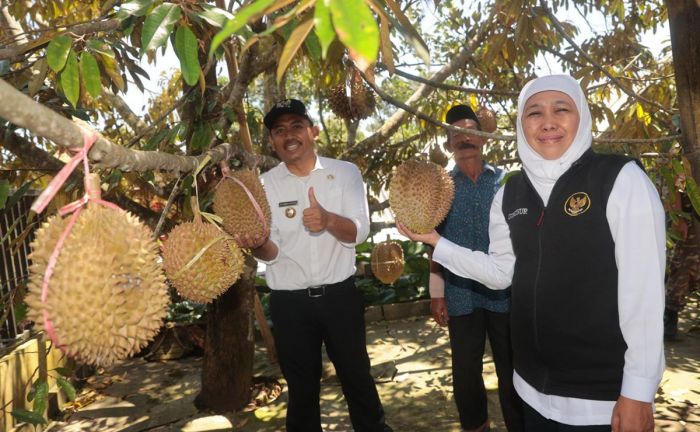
(76, 208)
(226, 172)
(256, 206)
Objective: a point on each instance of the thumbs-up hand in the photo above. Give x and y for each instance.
(315, 217)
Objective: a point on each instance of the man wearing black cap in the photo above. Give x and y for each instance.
(469, 309)
(319, 213)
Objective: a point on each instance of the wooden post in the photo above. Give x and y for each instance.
(265, 331)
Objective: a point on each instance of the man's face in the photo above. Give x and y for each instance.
(292, 137)
(462, 145)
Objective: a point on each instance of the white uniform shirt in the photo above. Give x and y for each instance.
(308, 259)
(637, 225)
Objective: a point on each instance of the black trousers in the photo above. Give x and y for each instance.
(467, 341)
(301, 324)
(535, 422)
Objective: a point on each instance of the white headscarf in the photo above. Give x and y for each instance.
(544, 173)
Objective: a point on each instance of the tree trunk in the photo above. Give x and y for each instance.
(227, 370)
(683, 18)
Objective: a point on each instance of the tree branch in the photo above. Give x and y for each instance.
(31, 154)
(42, 121)
(80, 29)
(392, 124)
(630, 93)
(134, 121)
(444, 86)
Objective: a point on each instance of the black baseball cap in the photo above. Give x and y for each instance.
(461, 112)
(286, 106)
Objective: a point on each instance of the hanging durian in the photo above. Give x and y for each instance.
(420, 195)
(360, 104)
(437, 156)
(107, 295)
(232, 204)
(387, 261)
(487, 119)
(217, 268)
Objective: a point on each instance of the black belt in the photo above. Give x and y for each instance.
(318, 290)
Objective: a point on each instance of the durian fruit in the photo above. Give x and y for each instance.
(437, 156)
(340, 102)
(107, 295)
(218, 267)
(232, 203)
(420, 195)
(361, 102)
(387, 261)
(361, 98)
(487, 119)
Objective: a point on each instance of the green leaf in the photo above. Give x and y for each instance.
(66, 372)
(100, 47)
(4, 67)
(21, 312)
(357, 29)
(691, 189)
(158, 26)
(313, 46)
(28, 417)
(156, 139)
(238, 21)
(292, 46)
(67, 388)
(90, 73)
(134, 8)
(201, 136)
(41, 396)
(57, 52)
(186, 47)
(70, 79)
(323, 26)
(19, 193)
(214, 16)
(403, 25)
(4, 192)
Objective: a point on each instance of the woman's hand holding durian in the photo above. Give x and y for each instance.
(431, 238)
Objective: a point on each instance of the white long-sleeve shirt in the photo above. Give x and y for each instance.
(636, 218)
(304, 258)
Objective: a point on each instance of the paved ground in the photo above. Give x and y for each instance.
(411, 364)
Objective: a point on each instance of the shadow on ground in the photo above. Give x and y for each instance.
(411, 365)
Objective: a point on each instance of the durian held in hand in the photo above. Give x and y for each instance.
(200, 260)
(387, 261)
(420, 195)
(107, 297)
(236, 204)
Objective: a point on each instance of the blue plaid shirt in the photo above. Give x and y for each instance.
(467, 224)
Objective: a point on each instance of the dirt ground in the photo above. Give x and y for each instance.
(411, 364)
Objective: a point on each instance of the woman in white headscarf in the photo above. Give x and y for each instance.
(581, 238)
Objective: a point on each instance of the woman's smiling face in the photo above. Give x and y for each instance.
(550, 121)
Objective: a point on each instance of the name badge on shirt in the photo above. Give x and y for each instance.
(290, 211)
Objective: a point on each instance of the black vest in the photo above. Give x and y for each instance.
(565, 326)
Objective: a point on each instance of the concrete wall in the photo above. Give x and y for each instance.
(18, 369)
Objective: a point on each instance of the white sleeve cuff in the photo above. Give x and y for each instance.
(639, 388)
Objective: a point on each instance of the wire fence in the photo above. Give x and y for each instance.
(16, 234)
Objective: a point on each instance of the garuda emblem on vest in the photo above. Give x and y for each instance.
(577, 204)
